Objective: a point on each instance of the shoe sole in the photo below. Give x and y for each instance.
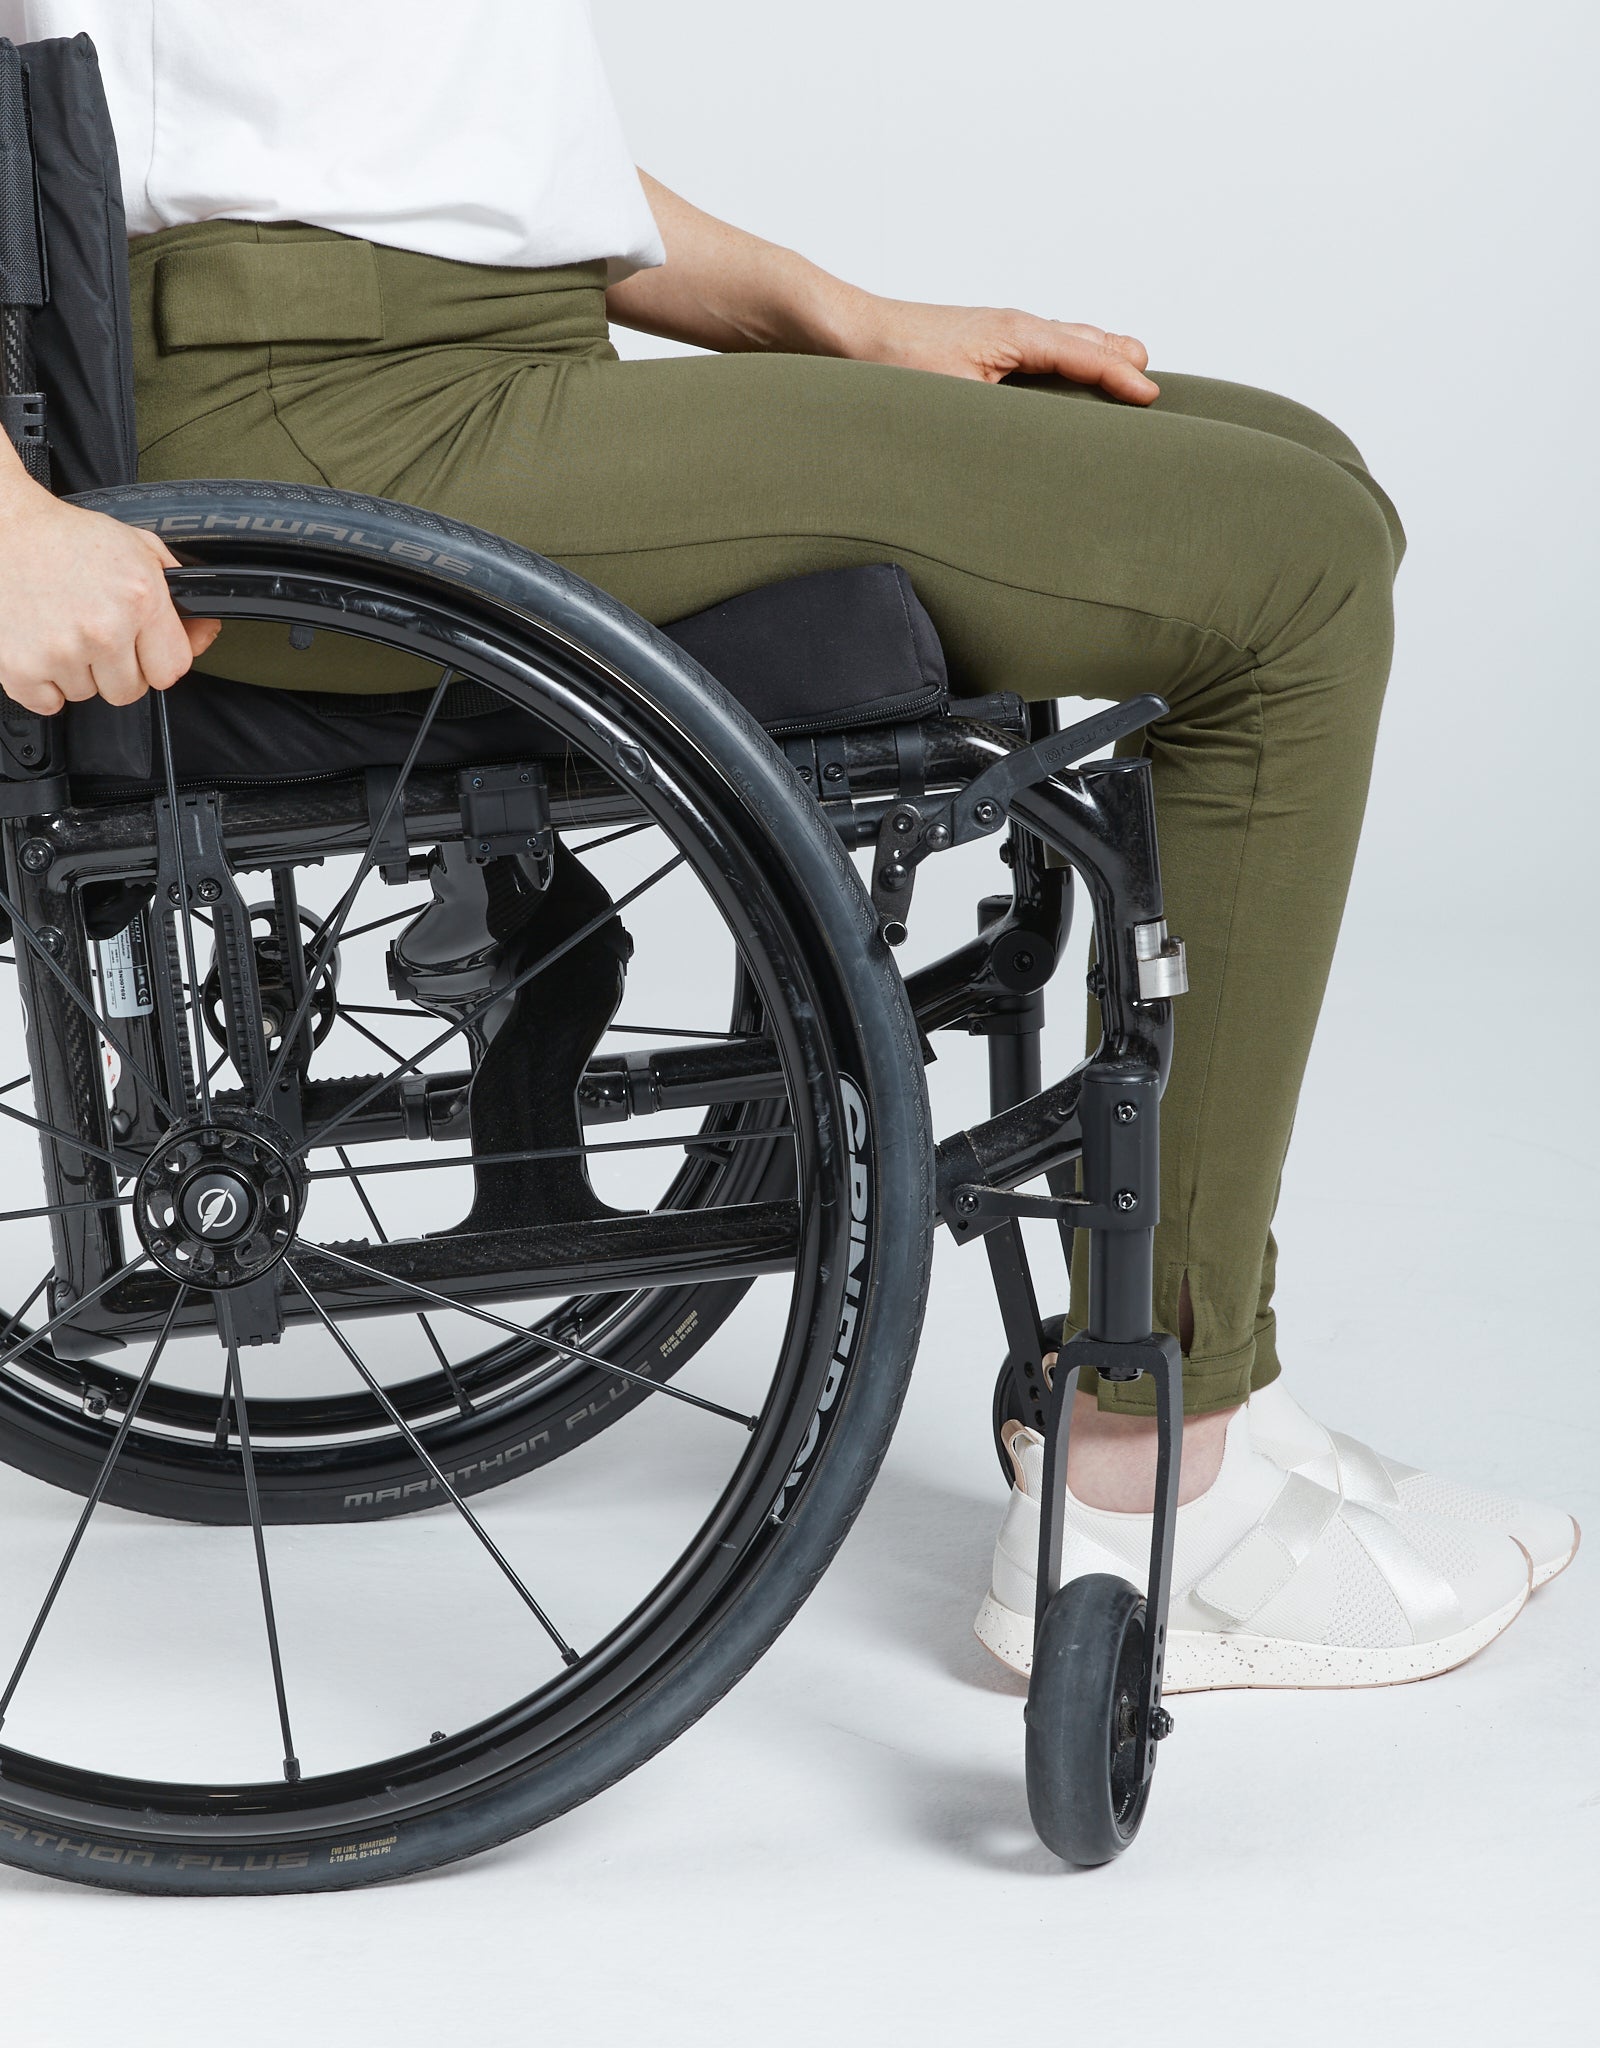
(1201, 1661)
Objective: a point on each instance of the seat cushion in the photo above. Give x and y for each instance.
(846, 648)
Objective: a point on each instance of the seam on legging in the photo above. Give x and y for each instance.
(868, 540)
(283, 425)
(1202, 1108)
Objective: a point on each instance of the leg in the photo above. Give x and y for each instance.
(1061, 546)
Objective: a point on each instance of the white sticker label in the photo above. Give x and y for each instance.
(125, 973)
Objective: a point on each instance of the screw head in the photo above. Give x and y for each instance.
(1126, 1113)
(52, 940)
(833, 772)
(1023, 962)
(967, 1203)
(894, 874)
(939, 836)
(37, 855)
(209, 889)
(903, 823)
(1126, 1200)
(987, 813)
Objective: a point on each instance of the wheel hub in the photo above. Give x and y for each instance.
(218, 1201)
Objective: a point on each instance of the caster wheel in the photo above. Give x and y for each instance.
(1020, 1395)
(1086, 1791)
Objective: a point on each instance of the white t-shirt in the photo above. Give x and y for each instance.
(482, 130)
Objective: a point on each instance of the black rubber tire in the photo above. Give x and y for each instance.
(319, 1835)
(1086, 1793)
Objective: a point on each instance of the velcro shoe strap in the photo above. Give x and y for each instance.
(1361, 1473)
(1427, 1599)
(1261, 1564)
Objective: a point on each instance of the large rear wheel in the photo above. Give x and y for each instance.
(194, 1707)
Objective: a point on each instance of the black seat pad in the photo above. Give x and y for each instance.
(848, 647)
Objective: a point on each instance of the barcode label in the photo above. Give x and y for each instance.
(125, 973)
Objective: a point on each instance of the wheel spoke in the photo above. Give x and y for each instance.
(691, 1142)
(389, 1052)
(565, 1350)
(611, 838)
(193, 1020)
(63, 1208)
(74, 1308)
(62, 1137)
(378, 924)
(16, 1315)
(82, 1004)
(445, 1366)
(569, 1655)
(329, 934)
(489, 1002)
(252, 1493)
(672, 1031)
(96, 1495)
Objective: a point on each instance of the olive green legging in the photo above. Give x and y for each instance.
(1226, 548)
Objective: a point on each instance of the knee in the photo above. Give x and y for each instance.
(1328, 625)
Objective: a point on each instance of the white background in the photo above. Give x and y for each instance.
(1385, 208)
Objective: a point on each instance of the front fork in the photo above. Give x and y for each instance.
(1105, 1117)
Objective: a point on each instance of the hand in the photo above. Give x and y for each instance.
(987, 343)
(85, 606)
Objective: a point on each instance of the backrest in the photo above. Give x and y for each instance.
(64, 269)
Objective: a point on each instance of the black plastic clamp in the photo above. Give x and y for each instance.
(506, 810)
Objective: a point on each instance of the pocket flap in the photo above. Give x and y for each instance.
(252, 292)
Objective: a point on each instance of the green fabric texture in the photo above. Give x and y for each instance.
(1225, 547)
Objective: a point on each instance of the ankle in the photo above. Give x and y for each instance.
(1111, 1459)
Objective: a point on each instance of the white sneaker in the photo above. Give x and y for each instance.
(1282, 1430)
(1277, 1581)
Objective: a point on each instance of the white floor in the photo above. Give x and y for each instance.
(841, 1852)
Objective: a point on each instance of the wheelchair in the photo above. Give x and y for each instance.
(362, 1198)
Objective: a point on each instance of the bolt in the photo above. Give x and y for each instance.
(1126, 1200)
(833, 772)
(161, 1244)
(173, 893)
(484, 847)
(95, 1404)
(477, 782)
(904, 822)
(938, 837)
(209, 890)
(37, 855)
(1023, 962)
(894, 875)
(1125, 1113)
(437, 1735)
(1008, 854)
(987, 813)
(967, 1203)
(52, 940)
(1162, 1724)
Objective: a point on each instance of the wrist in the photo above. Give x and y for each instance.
(853, 323)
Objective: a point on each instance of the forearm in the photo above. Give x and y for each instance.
(727, 290)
